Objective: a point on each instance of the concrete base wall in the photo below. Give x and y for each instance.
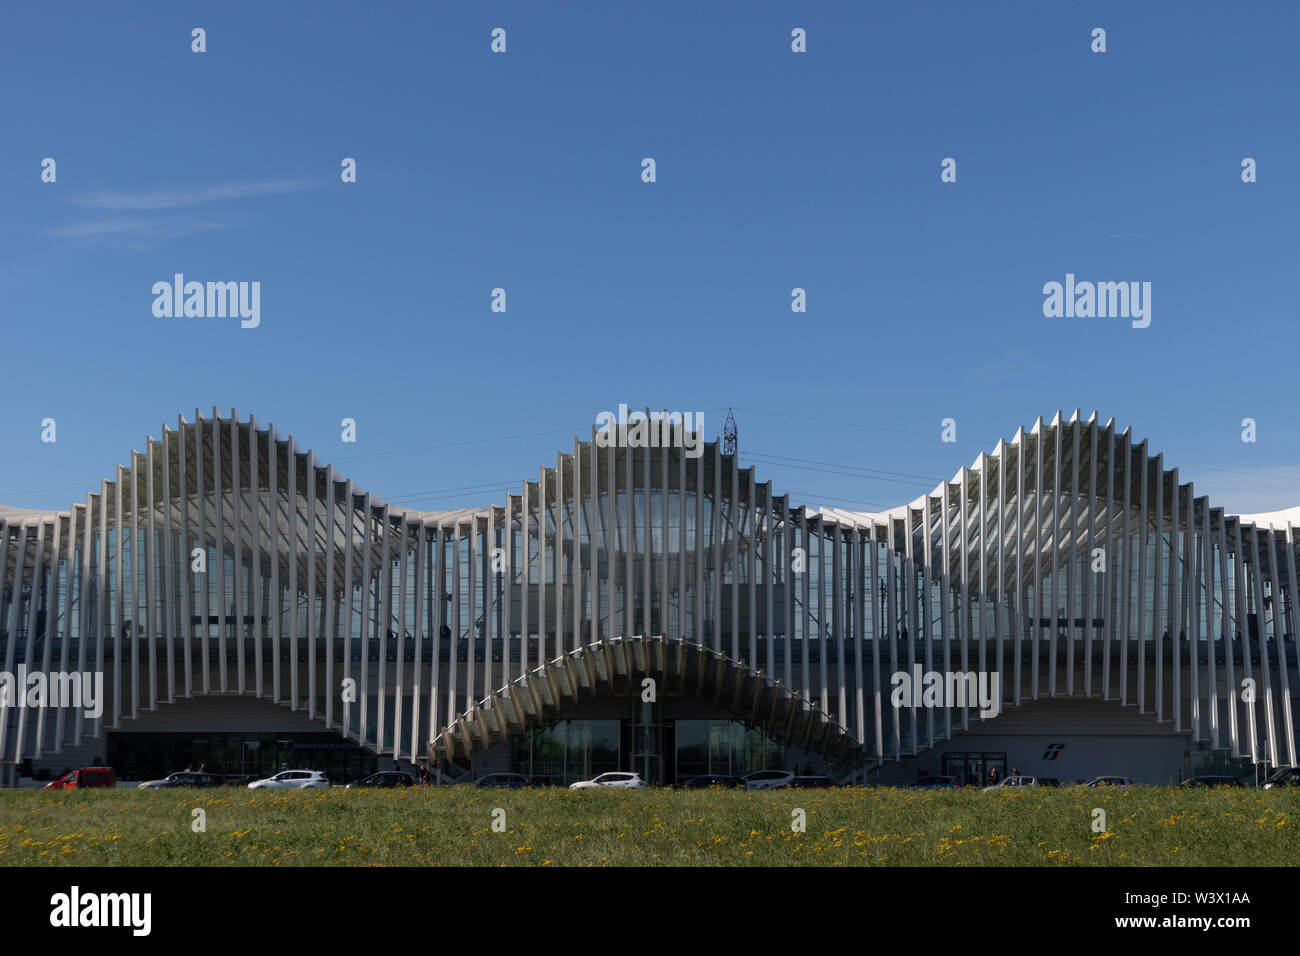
(1067, 738)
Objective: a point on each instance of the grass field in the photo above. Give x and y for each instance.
(453, 826)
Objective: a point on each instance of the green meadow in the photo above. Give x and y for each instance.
(466, 826)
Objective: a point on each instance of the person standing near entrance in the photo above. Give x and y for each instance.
(993, 775)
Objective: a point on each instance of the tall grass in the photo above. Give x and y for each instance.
(454, 826)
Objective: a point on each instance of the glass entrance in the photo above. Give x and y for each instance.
(722, 747)
(567, 750)
(646, 759)
(975, 769)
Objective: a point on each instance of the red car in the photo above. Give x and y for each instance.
(86, 777)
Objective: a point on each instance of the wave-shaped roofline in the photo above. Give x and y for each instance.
(1280, 518)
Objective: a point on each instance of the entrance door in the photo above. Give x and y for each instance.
(720, 747)
(645, 743)
(972, 769)
(994, 762)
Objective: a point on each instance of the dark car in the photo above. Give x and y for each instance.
(184, 778)
(1286, 777)
(512, 780)
(709, 780)
(812, 783)
(933, 782)
(385, 778)
(1212, 780)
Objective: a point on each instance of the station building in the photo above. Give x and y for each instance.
(652, 608)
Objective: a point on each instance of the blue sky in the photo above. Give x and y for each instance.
(775, 170)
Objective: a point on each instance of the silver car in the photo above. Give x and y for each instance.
(628, 781)
(767, 779)
(292, 780)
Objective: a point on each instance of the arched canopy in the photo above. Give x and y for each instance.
(678, 667)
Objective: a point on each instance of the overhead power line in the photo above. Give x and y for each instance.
(878, 474)
(876, 428)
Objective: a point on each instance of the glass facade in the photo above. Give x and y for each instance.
(570, 750)
(148, 756)
(724, 746)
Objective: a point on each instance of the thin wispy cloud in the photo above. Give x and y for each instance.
(152, 228)
(107, 227)
(146, 231)
(134, 233)
(177, 197)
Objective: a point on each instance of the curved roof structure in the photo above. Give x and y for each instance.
(1068, 559)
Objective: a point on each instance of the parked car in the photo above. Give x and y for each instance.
(83, 778)
(1212, 780)
(1286, 777)
(709, 780)
(184, 778)
(514, 781)
(291, 780)
(1008, 783)
(767, 779)
(812, 782)
(1111, 781)
(933, 782)
(631, 781)
(384, 778)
